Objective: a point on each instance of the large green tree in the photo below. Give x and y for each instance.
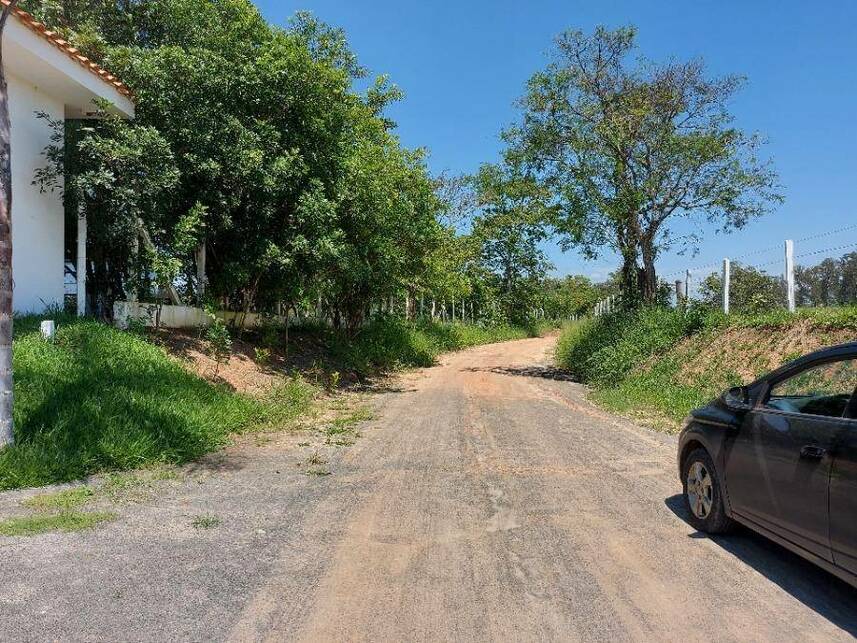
(294, 183)
(626, 147)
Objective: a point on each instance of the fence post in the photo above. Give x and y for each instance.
(687, 286)
(790, 274)
(679, 292)
(727, 275)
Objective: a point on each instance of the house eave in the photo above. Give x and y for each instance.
(40, 62)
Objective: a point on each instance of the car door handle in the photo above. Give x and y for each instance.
(812, 452)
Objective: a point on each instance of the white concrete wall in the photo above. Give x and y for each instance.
(37, 219)
(181, 316)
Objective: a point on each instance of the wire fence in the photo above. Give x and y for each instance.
(816, 270)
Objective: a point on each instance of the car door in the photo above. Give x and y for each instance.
(843, 494)
(779, 463)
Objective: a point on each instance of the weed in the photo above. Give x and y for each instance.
(262, 356)
(205, 522)
(333, 380)
(318, 471)
(66, 521)
(100, 400)
(315, 459)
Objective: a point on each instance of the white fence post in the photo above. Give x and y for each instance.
(790, 274)
(687, 286)
(727, 275)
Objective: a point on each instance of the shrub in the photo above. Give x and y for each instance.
(603, 350)
(219, 343)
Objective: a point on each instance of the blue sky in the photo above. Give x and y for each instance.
(463, 64)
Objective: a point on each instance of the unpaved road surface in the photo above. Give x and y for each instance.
(486, 501)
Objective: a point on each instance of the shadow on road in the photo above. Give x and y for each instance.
(830, 597)
(544, 372)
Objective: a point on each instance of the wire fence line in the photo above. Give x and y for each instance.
(795, 278)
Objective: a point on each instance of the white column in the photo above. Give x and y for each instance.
(790, 274)
(81, 265)
(727, 277)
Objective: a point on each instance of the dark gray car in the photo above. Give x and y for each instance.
(780, 457)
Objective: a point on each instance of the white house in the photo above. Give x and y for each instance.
(45, 74)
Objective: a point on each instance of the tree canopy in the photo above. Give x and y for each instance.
(626, 148)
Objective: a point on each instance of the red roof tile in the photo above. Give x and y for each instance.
(65, 47)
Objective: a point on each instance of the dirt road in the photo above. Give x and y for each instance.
(486, 501)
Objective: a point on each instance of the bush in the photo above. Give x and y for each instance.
(603, 350)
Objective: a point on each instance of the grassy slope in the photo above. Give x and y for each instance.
(98, 399)
(657, 365)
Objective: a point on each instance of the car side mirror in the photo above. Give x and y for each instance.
(738, 398)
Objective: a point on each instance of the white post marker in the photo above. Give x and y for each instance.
(727, 275)
(790, 274)
(48, 328)
(687, 286)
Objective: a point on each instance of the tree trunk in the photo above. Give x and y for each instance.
(7, 435)
(201, 278)
(648, 277)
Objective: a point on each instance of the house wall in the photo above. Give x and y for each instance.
(37, 219)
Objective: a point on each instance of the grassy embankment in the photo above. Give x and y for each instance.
(97, 399)
(656, 365)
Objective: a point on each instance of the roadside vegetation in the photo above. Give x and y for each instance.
(657, 364)
(97, 399)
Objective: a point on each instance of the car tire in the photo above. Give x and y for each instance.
(703, 495)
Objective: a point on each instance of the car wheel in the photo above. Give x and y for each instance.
(702, 494)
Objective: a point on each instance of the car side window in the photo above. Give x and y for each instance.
(821, 390)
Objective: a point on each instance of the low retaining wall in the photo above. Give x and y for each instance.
(182, 316)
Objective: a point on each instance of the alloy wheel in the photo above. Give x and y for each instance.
(700, 490)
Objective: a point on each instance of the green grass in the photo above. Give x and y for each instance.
(603, 350)
(66, 521)
(630, 362)
(61, 500)
(97, 399)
